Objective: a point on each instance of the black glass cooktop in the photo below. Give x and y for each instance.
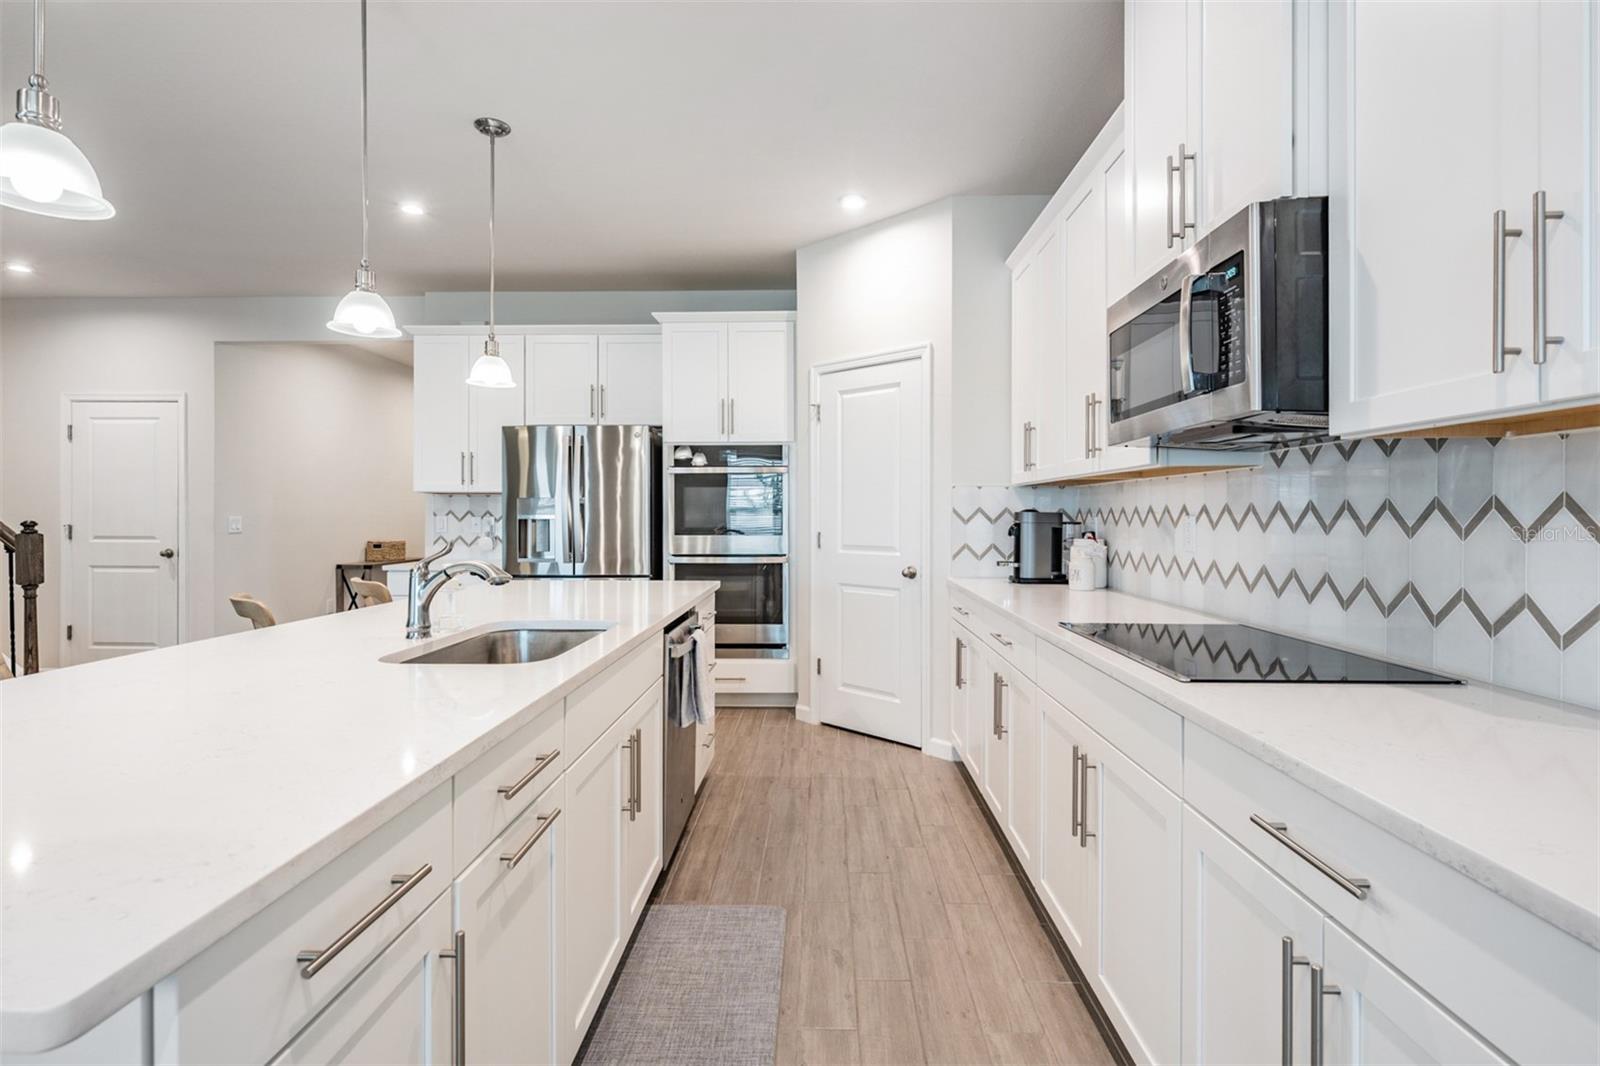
(1244, 653)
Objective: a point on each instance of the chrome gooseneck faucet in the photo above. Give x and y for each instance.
(425, 585)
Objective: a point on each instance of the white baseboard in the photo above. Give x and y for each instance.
(803, 713)
(939, 748)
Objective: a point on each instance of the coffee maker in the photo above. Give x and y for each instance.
(1037, 548)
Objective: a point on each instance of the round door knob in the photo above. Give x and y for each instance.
(909, 572)
(167, 553)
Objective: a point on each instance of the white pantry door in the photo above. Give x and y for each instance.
(122, 580)
(871, 493)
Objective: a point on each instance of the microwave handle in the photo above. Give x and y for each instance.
(1185, 335)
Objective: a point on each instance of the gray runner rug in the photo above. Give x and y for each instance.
(699, 986)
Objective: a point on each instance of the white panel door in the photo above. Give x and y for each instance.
(491, 411)
(871, 495)
(122, 557)
(593, 904)
(1022, 747)
(1136, 835)
(1024, 362)
(630, 379)
(563, 380)
(439, 413)
(1412, 295)
(1237, 915)
(1380, 1017)
(641, 829)
(1063, 879)
(696, 364)
(1569, 174)
(511, 912)
(761, 381)
(398, 1012)
(1053, 418)
(1084, 346)
(1246, 105)
(1156, 74)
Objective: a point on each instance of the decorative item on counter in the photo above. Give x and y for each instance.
(1086, 563)
(385, 551)
(699, 459)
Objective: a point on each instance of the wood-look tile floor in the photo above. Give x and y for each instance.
(908, 937)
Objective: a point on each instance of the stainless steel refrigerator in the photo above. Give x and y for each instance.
(583, 501)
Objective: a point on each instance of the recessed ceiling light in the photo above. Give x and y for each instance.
(852, 201)
(412, 207)
(19, 268)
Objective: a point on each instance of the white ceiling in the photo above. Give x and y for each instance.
(656, 145)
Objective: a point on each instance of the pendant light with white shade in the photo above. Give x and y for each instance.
(489, 370)
(363, 313)
(41, 170)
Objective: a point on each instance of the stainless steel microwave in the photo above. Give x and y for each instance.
(1227, 346)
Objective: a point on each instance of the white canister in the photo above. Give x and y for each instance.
(1086, 564)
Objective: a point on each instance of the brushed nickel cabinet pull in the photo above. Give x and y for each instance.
(1541, 276)
(1279, 831)
(1000, 686)
(1290, 961)
(1319, 992)
(458, 1026)
(1083, 801)
(1172, 235)
(1001, 639)
(1185, 157)
(511, 858)
(592, 411)
(638, 773)
(627, 803)
(510, 791)
(961, 672)
(722, 416)
(602, 401)
(463, 468)
(1077, 821)
(731, 422)
(314, 960)
(1497, 292)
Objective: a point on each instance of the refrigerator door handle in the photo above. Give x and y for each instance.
(572, 535)
(580, 484)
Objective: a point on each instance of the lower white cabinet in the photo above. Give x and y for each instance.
(398, 1011)
(1064, 877)
(508, 912)
(1134, 828)
(641, 825)
(1020, 717)
(1249, 941)
(995, 783)
(961, 642)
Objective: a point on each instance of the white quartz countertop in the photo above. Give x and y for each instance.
(1503, 787)
(155, 802)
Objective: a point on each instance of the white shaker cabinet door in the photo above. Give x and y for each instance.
(761, 381)
(439, 414)
(1377, 1016)
(1136, 835)
(1025, 313)
(994, 695)
(980, 711)
(1247, 98)
(1239, 922)
(508, 906)
(630, 380)
(1156, 75)
(595, 786)
(1053, 420)
(1569, 175)
(1414, 286)
(1084, 347)
(641, 828)
(1063, 877)
(492, 410)
(960, 685)
(563, 380)
(695, 365)
(398, 1012)
(1022, 746)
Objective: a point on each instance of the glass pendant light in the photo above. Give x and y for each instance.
(489, 370)
(41, 170)
(363, 313)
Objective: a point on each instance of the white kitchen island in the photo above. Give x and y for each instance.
(180, 825)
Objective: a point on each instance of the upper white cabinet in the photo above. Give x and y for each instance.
(729, 377)
(1433, 316)
(455, 427)
(589, 379)
(1225, 105)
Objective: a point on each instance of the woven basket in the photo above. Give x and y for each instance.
(385, 551)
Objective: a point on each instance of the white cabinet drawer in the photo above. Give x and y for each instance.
(1145, 731)
(592, 709)
(766, 676)
(501, 784)
(243, 998)
(1009, 638)
(1527, 987)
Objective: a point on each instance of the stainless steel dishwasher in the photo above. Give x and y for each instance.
(677, 742)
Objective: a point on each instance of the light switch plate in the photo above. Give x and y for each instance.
(236, 523)
(439, 521)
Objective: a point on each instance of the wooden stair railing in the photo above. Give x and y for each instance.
(24, 551)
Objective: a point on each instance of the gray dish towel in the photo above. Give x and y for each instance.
(690, 666)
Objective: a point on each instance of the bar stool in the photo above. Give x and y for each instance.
(252, 610)
(370, 593)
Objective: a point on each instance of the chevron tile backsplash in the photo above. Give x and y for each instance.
(1477, 557)
(471, 526)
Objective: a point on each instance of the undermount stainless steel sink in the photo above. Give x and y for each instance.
(521, 644)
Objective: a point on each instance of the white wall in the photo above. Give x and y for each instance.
(314, 454)
(892, 285)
